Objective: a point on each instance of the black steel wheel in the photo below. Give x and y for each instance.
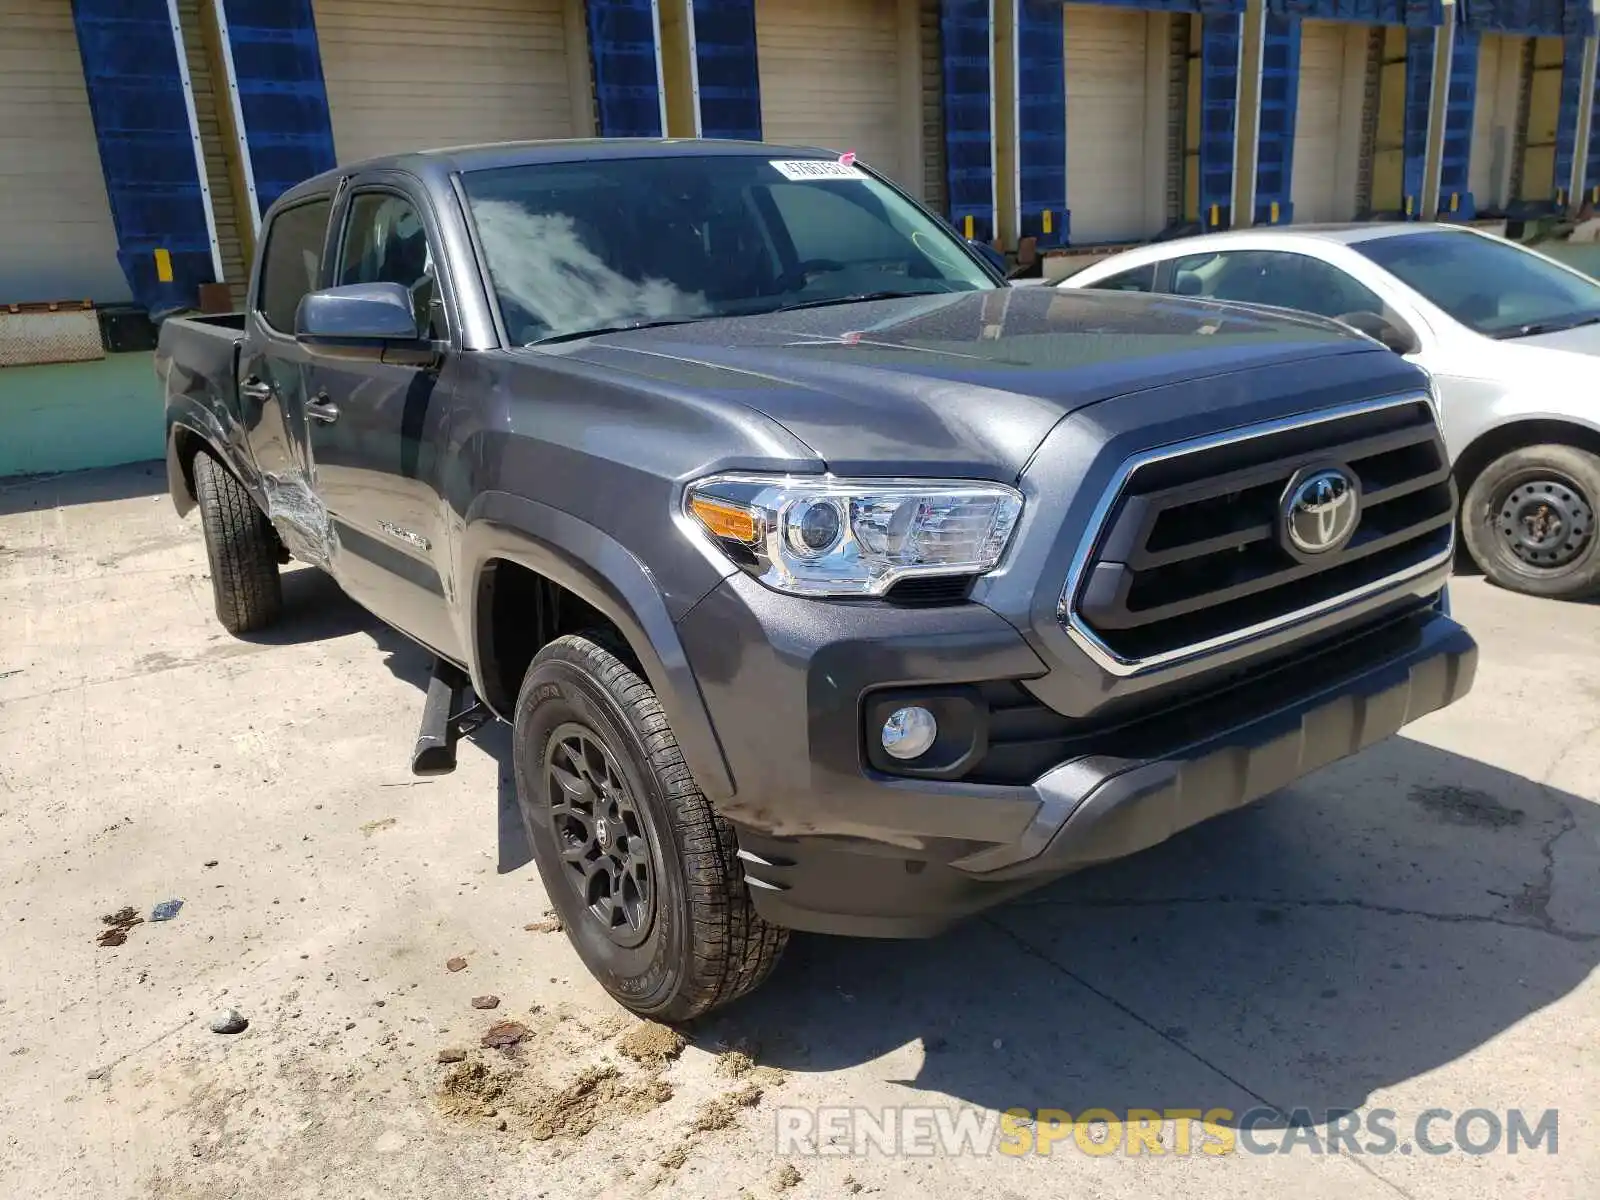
(1529, 521)
(1545, 520)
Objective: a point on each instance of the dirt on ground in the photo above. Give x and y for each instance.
(516, 1102)
(652, 1044)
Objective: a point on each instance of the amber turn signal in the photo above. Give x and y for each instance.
(725, 520)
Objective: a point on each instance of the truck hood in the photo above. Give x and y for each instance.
(967, 383)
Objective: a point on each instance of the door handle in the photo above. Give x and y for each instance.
(322, 409)
(255, 389)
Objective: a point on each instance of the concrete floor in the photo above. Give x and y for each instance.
(1415, 929)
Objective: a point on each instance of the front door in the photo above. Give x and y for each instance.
(375, 423)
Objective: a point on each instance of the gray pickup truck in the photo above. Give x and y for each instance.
(827, 582)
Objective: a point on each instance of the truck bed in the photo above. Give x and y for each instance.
(198, 358)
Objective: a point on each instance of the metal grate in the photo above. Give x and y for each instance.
(1196, 547)
(930, 590)
(35, 334)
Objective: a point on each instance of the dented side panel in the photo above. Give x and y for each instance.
(300, 518)
(272, 377)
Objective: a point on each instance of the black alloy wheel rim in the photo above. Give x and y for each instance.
(599, 834)
(1544, 520)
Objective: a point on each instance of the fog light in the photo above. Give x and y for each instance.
(909, 732)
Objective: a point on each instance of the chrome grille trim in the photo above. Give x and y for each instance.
(1109, 660)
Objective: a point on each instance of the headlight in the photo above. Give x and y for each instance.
(820, 536)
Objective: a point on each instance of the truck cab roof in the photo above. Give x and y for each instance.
(437, 165)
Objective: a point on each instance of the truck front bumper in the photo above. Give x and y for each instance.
(832, 845)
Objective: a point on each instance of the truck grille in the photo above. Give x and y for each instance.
(1196, 547)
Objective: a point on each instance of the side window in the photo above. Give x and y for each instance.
(1274, 277)
(293, 262)
(1139, 279)
(385, 242)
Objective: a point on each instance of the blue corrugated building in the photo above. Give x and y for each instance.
(147, 136)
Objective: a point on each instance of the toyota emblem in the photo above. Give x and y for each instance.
(1321, 509)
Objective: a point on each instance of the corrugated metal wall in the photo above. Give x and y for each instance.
(57, 241)
(413, 74)
(1183, 97)
(133, 68)
(1383, 123)
(208, 99)
(830, 77)
(1541, 119)
(1107, 98)
(934, 192)
(965, 37)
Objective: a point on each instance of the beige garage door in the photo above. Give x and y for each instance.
(831, 77)
(1494, 119)
(1107, 191)
(410, 74)
(56, 237)
(1322, 187)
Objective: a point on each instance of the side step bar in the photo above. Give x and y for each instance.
(446, 718)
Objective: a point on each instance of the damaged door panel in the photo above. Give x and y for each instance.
(272, 376)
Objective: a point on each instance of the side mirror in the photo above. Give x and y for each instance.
(1397, 337)
(989, 254)
(359, 317)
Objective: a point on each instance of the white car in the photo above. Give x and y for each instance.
(1511, 337)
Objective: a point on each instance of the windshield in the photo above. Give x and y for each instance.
(582, 246)
(1492, 286)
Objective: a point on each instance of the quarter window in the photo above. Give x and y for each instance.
(292, 266)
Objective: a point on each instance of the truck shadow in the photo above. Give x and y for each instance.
(1387, 916)
(315, 609)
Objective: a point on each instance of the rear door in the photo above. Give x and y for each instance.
(375, 421)
(272, 373)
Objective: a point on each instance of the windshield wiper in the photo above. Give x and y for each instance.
(569, 335)
(1538, 327)
(858, 298)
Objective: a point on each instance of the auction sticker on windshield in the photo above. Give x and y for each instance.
(817, 168)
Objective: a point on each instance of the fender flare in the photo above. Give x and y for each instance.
(602, 572)
(184, 415)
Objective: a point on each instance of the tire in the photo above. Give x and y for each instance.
(690, 940)
(1529, 521)
(242, 549)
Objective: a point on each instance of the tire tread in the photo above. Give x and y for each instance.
(734, 949)
(242, 548)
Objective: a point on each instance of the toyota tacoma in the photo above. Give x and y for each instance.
(827, 582)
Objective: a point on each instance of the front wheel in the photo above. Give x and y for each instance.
(1529, 521)
(643, 873)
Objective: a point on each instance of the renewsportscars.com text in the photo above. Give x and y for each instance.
(1098, 1132)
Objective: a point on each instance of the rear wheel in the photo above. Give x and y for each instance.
(642, 871)
(241, 547)
(1529, 521)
